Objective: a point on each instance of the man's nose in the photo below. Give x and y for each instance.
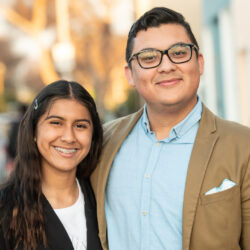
(166, 64)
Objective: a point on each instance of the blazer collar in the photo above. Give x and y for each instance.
(201, 153)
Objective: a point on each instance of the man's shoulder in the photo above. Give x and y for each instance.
(125, 123)
(235, 131)
(226, 126)
(232, 126)
(114, 123)
(229, 128)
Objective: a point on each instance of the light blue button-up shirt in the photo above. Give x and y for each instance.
(145, 188)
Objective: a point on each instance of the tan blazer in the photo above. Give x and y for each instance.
(219, 221)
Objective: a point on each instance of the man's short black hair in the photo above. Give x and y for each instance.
(154, 18)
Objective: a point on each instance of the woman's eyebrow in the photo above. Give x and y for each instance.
(53, 117)
(61, 118)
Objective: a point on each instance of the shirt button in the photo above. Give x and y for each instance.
(157, 144)
(144, 213)
(147, 176)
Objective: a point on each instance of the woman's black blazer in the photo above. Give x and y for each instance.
(57, 237)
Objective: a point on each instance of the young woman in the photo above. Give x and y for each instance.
(48, 203)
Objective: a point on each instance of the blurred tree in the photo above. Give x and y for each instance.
(99, 50)
(87, 27)
(31, 18)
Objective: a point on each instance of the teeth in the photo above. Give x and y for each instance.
(66, 151)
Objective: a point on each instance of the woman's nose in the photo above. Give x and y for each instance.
(68, 135)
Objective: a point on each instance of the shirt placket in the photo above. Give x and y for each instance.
(146, 195)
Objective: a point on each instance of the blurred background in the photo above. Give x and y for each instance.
(84, 40)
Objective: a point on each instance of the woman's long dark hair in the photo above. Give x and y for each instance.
(21, 195)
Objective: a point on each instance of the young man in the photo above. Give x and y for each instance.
(173, 175)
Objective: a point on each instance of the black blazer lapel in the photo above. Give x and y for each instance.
(57, 237)
(93, 241)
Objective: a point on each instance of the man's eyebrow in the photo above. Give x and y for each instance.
(61, 118)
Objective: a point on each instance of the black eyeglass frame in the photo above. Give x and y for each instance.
(165, 52)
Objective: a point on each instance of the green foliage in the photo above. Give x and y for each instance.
(131, 105)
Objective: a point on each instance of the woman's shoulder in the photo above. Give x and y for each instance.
(5, 213)
(6, 201)
(6, 192)
(4, 195)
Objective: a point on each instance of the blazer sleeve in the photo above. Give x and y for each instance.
(245, 208)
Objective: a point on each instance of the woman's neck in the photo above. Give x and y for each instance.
(61, 190)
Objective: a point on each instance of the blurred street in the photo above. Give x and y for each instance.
(84, 40)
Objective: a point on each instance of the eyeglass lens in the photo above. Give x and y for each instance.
(177, 54)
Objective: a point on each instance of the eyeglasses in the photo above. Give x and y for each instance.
(152, 58)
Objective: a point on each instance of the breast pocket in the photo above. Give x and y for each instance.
(220, 196)
(218, 221)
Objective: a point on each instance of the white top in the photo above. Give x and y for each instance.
(74, 222)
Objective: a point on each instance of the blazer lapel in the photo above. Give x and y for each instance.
(57, 237)
(113, 138)
(203, 147)
(93, 241)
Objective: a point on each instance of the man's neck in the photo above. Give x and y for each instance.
(162, 120)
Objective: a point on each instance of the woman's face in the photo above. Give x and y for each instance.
(64, 135)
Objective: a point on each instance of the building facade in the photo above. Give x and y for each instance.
(226, 47)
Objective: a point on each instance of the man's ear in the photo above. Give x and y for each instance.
(201, 63)
(129, 76)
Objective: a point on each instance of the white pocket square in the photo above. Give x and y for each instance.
(226, 184)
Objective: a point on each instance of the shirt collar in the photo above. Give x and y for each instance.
(182, 127)
(145, 122)
(190, 120)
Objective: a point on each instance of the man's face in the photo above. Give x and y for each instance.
(168, 85)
